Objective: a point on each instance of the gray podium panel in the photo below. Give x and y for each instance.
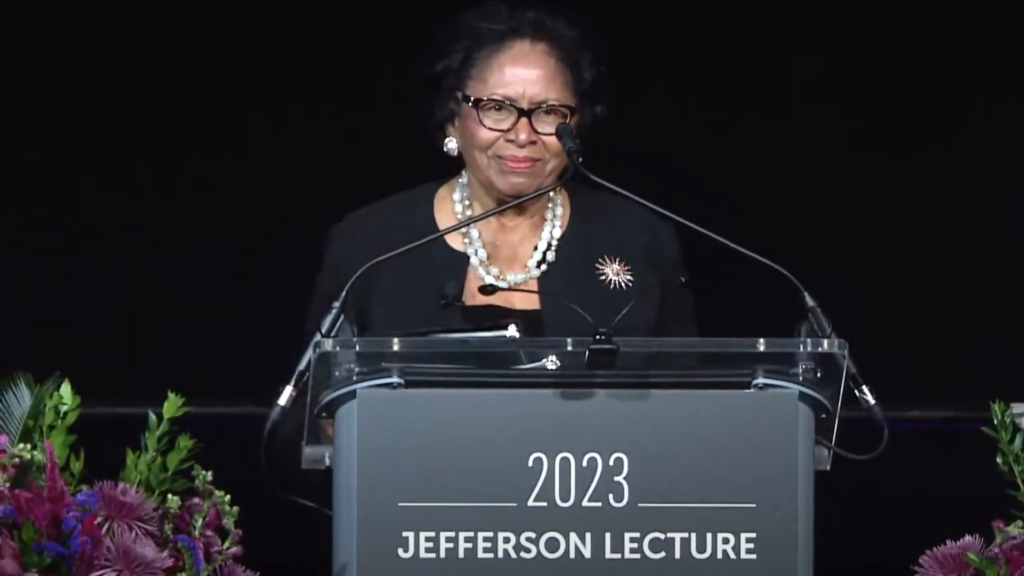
(546, 483)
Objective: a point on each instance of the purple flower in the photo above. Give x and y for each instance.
(53, 550)
(192, 548)
(70, 523)
(123, 508)
(131, 554)
(950, 559)
(8, 513)
(233, 569)
(211, 530)
(1010, 553)
(73, 528)
(87, 500)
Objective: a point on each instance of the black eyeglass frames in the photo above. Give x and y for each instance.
(502, 116)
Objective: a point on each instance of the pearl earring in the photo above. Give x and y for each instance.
(451, 146)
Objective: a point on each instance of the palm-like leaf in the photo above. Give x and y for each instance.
(23, 405)
(1018, 413)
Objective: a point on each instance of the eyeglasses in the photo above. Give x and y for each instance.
(502, 116)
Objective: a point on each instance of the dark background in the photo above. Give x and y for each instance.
(174, 175)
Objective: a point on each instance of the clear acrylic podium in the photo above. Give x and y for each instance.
(553, 456)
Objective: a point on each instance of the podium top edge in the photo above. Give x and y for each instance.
(638, 345)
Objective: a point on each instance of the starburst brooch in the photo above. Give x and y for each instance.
(615, 273)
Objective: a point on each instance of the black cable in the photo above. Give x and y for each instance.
(875, 411)
(264, 468)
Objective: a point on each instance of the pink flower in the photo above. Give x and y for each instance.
(90, 547)
(45, 505)
(10, 557)
(950, 559)
(57, 495)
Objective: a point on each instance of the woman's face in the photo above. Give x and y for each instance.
(519, 161)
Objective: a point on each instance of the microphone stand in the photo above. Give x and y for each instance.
(816, 317)
(334, 319)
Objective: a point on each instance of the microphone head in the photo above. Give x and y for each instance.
(488, 289)
(567, 138)
(564, 130)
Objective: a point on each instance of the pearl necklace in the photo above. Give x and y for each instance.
(542, 256)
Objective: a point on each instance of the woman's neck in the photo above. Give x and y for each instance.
(484, 200)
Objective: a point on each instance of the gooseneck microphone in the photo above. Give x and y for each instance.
(333, 321)
(570, 143)
(567, 138)
(335, 316)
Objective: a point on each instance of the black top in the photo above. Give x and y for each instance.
(404, 294)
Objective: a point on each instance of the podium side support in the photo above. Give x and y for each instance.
(344, 496)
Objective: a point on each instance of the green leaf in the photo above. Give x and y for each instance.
(158, 479)
(23, 407)
(129, 474)
(179, 458)
(70, 418)
(156, 467)
(1010, 454)
(78, 464)
(29, 533)
(16, 397)
(174, 406)
(152, 438)
(66, 393)
(61, 445)
(987, 566)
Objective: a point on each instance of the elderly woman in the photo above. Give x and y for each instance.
(509, 79)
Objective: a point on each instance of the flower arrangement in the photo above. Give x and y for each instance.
(162, 517)
(1004, 556)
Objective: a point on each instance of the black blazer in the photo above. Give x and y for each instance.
(404, 294)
